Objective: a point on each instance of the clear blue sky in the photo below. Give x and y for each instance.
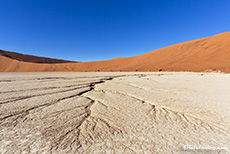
(89, 30)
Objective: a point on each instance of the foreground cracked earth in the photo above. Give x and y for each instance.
(113, 112)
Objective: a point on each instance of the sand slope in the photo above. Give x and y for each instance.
(196, 55)
(30, 58)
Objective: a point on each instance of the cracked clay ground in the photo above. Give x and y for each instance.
(113, 112)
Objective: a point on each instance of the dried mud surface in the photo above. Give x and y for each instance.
(113, 112)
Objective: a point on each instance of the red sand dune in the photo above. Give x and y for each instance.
(196, 55)
(30, 58)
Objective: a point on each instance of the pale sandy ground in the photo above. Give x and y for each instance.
(114, 112)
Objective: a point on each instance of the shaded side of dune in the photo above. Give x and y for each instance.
(30, 58)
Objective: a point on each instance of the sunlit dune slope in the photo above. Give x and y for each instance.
(196, 55)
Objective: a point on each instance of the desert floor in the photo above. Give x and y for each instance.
(114, 112)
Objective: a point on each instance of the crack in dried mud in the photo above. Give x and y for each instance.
(88, 111)
(167, 110)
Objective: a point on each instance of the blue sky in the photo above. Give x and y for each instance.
(90, 30)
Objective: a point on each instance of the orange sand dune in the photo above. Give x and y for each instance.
(30, 58)
(196, 55)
